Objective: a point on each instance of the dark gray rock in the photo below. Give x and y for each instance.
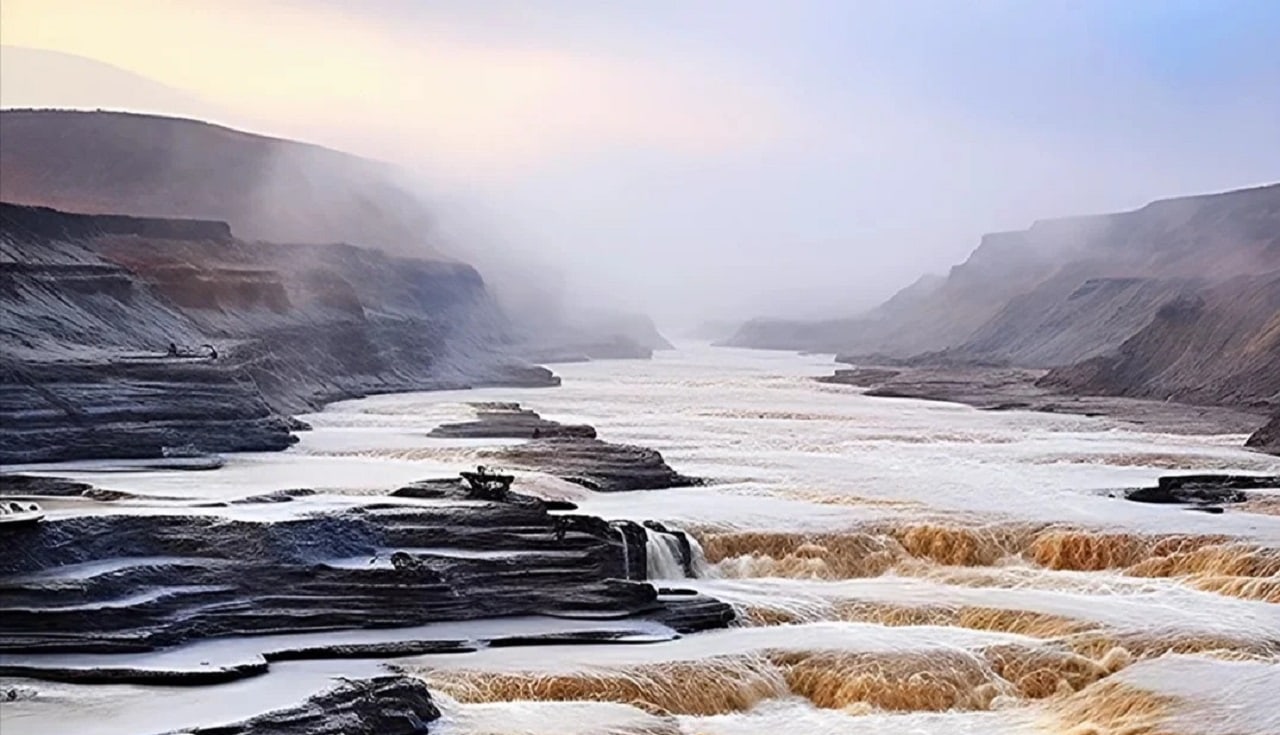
(1202, 489)
(569, 451)
(595, 464)
(122, 582)
(384, 705)
(510, 421)
(17, 485)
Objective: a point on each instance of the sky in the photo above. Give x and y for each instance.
(717, 159)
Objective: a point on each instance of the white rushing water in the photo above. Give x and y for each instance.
(828, 471)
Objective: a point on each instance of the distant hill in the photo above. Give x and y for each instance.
(265, 188)
(1178, 299)
(38, 79)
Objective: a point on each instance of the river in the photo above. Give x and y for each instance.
(900, 566)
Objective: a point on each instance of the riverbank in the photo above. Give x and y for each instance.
(1016, 389)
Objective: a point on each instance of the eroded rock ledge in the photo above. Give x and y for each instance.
(571, 452)
(121, 582)
(386, 705)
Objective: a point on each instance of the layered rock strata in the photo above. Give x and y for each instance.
(123, 335)
(570, 452)
(124, 582)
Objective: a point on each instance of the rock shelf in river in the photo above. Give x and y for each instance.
(571, 452)
(124, 582)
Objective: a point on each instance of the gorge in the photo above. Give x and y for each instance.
(256, 421)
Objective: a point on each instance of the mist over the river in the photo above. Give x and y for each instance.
(712, 163)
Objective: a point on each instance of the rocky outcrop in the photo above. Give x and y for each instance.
(123, 582)
(387, 705)
(570, 452)
(92, 304)
(594, 464)
(1267, 438)
(1202, 490)
(510, 421)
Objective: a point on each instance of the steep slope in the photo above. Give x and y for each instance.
(1220, 345)
(1267, 439)
(265, 188)
(1176, 300)
(1061, 291)
(91, 304)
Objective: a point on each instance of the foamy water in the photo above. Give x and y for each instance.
(899, 566)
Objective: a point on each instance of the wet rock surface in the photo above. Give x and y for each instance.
(1202, 490)
(571, 452)
(386, 705)
(595, 464)
(21, 485)
(509, 420)
(123, 582)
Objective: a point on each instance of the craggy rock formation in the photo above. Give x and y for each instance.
(92, 303)
(120, 582)
(387, 705)
(1177, 300)
(595, 464)
(1202, 490)
(1267, 438)
(570, 452)
(510, 421)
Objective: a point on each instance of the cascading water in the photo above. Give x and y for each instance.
(626, 553)
(665, 556)
(674, 555)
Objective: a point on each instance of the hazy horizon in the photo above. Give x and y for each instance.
(713, 161)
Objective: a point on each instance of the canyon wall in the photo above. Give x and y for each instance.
(92, 304)
(1176, 300)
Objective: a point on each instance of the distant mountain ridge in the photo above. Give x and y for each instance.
(1178, 299)
(266, 188)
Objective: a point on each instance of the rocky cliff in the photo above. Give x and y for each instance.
(92, 304)
(269, 189)
(1178, 299)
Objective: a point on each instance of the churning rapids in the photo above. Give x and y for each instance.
(897, 566)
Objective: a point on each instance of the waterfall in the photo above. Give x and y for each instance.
(698, 559)
(626, 553)
(665, 555)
